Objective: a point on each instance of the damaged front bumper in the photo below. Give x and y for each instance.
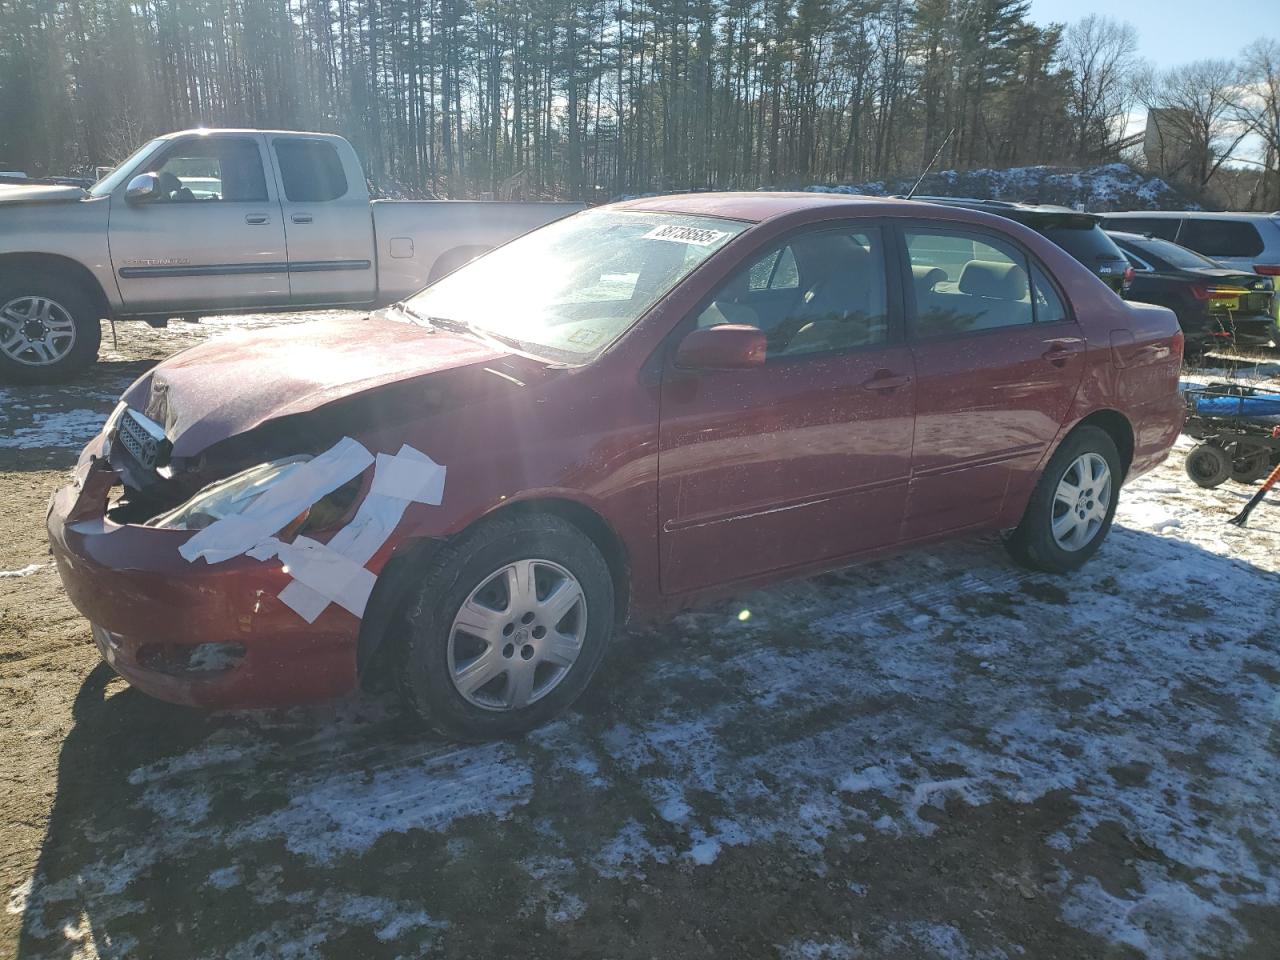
(207, 635)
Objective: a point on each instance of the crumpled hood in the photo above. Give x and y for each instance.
(39, 193)
(231, 384)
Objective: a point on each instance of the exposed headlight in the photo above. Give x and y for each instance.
(228, 497)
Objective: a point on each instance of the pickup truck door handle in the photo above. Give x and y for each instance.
(301, 218)
(256, 219)
(886, 380)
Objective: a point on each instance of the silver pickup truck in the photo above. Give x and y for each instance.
(220, 221)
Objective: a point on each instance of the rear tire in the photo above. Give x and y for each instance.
(1208, 465)
(50, 328)
(1057, 536)
(538, 659)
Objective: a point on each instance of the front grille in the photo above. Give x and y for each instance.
(144, 440)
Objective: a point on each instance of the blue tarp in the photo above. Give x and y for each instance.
(1257, 406)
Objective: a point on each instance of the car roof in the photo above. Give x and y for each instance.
(759, 206)
(205, 131)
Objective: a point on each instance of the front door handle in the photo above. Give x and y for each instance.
(256, 219)
(301, 218)
(886, 380)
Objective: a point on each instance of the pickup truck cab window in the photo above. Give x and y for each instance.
(965, 282)
(204, 170)
(310, 171)
(120, 174)
(822, 291)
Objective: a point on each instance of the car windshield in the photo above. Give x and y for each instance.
(112, 179)
(573, 287)
(1172, 254)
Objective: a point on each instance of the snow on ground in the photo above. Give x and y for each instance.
(892, 707)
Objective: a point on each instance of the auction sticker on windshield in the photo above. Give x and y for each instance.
(698, 236)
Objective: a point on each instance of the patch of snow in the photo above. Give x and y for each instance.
(831, 948)
(225, 878)
(26, 571)
(69, 428)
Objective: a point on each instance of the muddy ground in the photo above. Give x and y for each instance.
(936, 756)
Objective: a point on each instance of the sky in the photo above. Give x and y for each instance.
(1171, 32)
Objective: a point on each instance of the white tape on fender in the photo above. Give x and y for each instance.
(315, 479)
(328, 573)
(334, 572)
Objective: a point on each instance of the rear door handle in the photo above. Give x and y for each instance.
(256, 219)
(1058, 354)
(886, 380)
(301, 218)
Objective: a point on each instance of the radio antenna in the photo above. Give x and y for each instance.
(942, 146)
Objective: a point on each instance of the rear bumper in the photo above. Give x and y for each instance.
(192, 633)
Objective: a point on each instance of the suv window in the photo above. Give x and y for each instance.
(204, 169)
(310, 170)
(819, 292)
(1166, 228)
(964, 283)
(1221, 238)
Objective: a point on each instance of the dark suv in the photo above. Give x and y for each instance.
(1077, 233)
(1216, 305)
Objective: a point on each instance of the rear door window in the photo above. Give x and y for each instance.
(310, 170)
(1221, 238)
(965, 283)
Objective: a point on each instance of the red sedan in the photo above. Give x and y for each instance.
(624, 413)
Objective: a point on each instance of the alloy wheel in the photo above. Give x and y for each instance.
(36, 331)
(517, 635)
(1081, 502)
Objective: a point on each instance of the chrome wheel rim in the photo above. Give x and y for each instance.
(1081, 502)
(517, 635)
(36, 331)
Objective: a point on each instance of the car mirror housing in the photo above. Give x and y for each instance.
(143, 187)
(729, 346)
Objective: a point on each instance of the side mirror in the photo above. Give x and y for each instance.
(730, 346)
(143, 187)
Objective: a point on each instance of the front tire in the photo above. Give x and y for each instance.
(1072, 507)
(507, 629)
(50, 328)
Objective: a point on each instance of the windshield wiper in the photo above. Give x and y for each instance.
(413, 315)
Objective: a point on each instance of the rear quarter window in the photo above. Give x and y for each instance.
(1221, 238)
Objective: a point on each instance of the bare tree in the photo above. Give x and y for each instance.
(1099, 55)
(1258, 107)
(1192, 111)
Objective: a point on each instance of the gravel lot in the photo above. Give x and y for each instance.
(936, 756)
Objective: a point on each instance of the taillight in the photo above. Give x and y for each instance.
(1179, 341)
(1267, 269)
(1216, 293)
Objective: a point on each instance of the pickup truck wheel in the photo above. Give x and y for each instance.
(507, 629)
(49, 329)
(1072, 506)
